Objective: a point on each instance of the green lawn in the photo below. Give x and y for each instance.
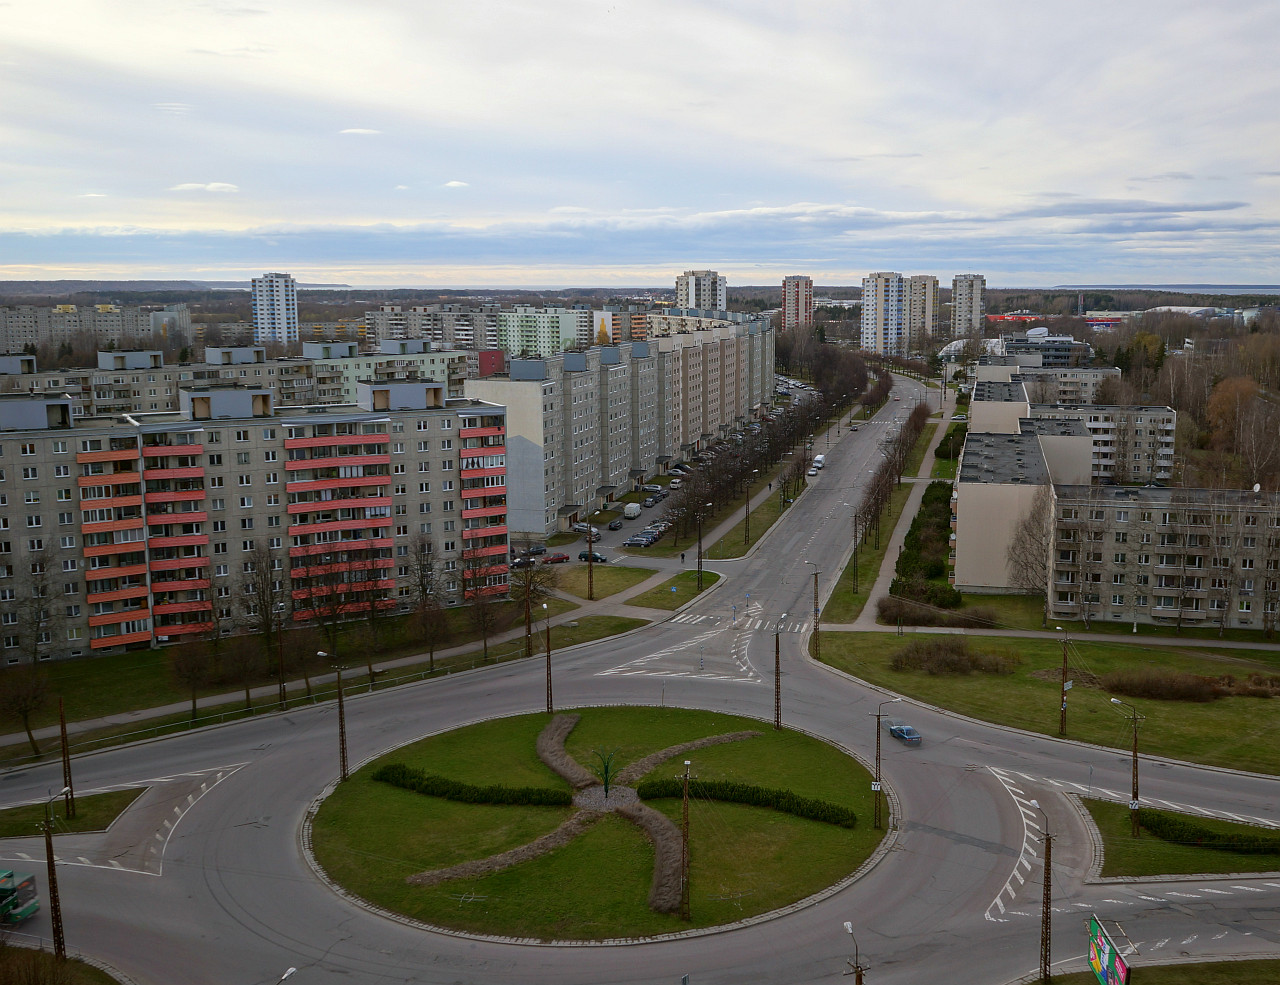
(916, 458)
(685, 587)
(562, 539)
(944, 468)
(1198, 973)
(24, 964)
(744, 861)
(1124, 855)
(845, 604)
(764, 515)
(1182, 730)
(607, 579)
(93, 813)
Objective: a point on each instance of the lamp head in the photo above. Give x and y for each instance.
(1116, 701)
(1034, 803)
(848, 927)
(321, 653)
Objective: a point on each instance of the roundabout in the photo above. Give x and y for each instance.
(504, 828)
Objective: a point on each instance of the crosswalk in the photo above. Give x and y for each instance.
(695, 658)
(748, 623)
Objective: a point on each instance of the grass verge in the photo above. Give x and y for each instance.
(93, 813)
(845, 604)
(607, 579)
(1125, 855)
(745, 860)
(674, 592)
(1199, 973)
(22, 965)
(1028, 698)
(916, 458)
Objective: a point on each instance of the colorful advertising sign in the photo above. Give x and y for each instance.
(1103, 957)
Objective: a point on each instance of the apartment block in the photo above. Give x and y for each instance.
(703, 289)
(446, 326)
(968, 304)
(275, 309)
(109, 325)
(922, 311)
(797, 302)
(884, 314)
(143, 529)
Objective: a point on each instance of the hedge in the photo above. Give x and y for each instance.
(1184, 831)
(400, 775)
(745, 793)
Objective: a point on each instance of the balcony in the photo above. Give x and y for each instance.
(472, 534)
(325, 441)
(131, 592)
(110, 526)
(182, 629)
(340, 546)
(186, 472)
(481, 511)
(488, 450)
(120, 640)
(356, 502)
(174, 495)
(101, 550)
(151, 451)
(299, 529)
(113, 455)
(482, 473)
(337, 567)
(488, 432)
(179, 540)
(178, 563)
(485, 551)
(111, 618)
(314, 591)
(336, 461)
(177, 585)
(190, 516)
(115, 571)
(199, 605)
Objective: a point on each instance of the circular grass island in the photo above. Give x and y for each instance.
(502, 828)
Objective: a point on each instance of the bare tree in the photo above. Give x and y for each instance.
(24, 691)
(530, 586)
(37, 607)
(425, 586)
(264, 602)
(1030, 551)
(194, 666)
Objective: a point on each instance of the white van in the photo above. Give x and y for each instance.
(675, 484)
(631, 511)
(819, 461)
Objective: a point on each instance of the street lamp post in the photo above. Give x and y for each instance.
(777, 673)
(1062, 720)
(705, 506)
(342, 722)
(817, 634)
(747, 517)
(1046, 906)
(55, 901)
(875, 787)
(855, 966)
(546, 616)
(1135, 719)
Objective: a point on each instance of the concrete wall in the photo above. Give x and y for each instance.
(987, 514)
(1069, 457)
(996, 416)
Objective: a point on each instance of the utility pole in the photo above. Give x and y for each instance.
(817, 634)
(547, 618)
(1062, 721)
(1046, 905)
(855, 966)
(684, 848)
(528, 616)
(69, 792)
(55, 901)
(875, 785)
(777, 674)
(280, 667)
(747, 518)
(342, 723)
(1135, 719)
(591, 556)
(700, 546)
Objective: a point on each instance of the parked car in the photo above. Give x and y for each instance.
(813, 471)
(596, 558)
(649, 502)
(534, 550)
(652, 487)
(631, 511)
(555, 559)
(615, 524)
(675, 484)
(903, 732)
(959, 417)
(637, 541)
(523, 562)
(582, 528)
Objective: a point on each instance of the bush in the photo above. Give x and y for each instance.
(400, 775)
(1185, 831)
(951, 657)
(1164, 685)
(952, 442)
(745, 793)
(891, 608)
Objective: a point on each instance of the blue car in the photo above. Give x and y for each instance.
(903, 732)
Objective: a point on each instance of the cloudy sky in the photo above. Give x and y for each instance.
(591, 142)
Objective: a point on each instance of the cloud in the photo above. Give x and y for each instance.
(1167, 176)
(456, 184)
(92, 195)
(174, 109)
(360, 130)
(401, 188)
(212, 186)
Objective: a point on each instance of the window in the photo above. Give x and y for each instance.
(66, 518)
(35, 520)
(215, 459)
(31, 473)
(1121, 537)
(424, 487)
(272, 478)
(220, 570)
(246, 523)
(219, 526)
(268, 434)
(58, 447)
(217, 504)
(242, 458)
(67, 540)
(242, 436)
(245, 480)
(246, 502)
(246, 545)
(1117, 600)
(64, 495)
(62, 471)
(70, 564)
(424, 446)
(28, 448)
(273, 520)
(215, 482)
(269, 456)
(424, 466)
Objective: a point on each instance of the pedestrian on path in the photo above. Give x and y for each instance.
(770, 487)
(682, 557)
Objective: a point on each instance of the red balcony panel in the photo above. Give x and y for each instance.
(200, 605)
(358, 586)
(153, 451)
(182, 540)
(187, 472)
(482, 473)
(121, 640)
(378, 523)
(192, 516)
(484, 511)
(475, 452)
(178, 563)
(132, 592)
(112, 455)
(475, 532)
(337, 461)
(306, 550)
(487, 590)
(112, 502)
(110, 618)
(337, 439)
(494, 569)
(101, 550)
(184, 629)
(485, 551)
(109, 479)
(321, 570)
(340, 504)
(174, 496)
(312, 485)
(481, 432)
(109, 526)
(179, 585)
(123, 571)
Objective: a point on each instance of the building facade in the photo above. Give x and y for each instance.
(797, 302)
(108, 325)
(968, 304)
(884, 315)
(704, 289)
(922, 311)
(275, 309)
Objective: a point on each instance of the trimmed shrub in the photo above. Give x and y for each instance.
(1185, 831)
(400, 775)
(891, 608)
(951, 656)
(1164, 685)
(952, 442)
(745, 793)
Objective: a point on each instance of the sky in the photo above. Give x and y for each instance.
(555, 143)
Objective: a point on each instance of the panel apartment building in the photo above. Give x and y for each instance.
(142, 529)
(110, 325)
(585, 427)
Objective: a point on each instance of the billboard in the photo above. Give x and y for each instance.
(1103, 957)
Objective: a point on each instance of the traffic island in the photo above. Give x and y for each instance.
(503, 829)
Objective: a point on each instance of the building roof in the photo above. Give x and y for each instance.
(1003, 458)
(999, 392)
(1056, 426)
(1169, 496)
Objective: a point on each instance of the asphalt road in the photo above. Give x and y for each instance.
(206, 879)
